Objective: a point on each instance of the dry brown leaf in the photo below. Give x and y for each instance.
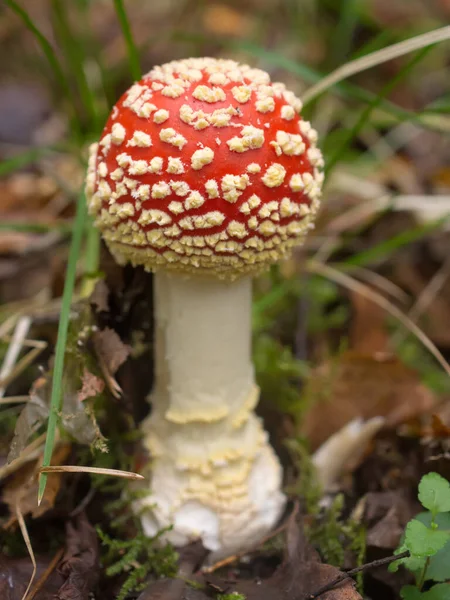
(368, 333)
(99, 297)
(15, 575)
(91, 386)
(355, 385)
(110, 349)
(80, 564)
(385, 516)
(22, 487)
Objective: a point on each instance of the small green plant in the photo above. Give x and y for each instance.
(427, 539)
(326, 530)
(137, 558)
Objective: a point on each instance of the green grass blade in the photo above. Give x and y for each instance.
(133, 56)
(35, 227)
(22, 160)
(51, 58)
(365, 115)
(58, 369)
(369, 61)
(75, 57)
(344, 89)
(343, 35)
(388, 247)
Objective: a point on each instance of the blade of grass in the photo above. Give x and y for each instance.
(51, 57)
(35, 227)
(26, 537)
(376, 58)
(75, 57)
(133, 57)
(94, 49)
(345, 89)
(69, 285)
(384, 249)
(22, 160)
(356, 286)
(93, 470)
(364, 117)
(343, 34)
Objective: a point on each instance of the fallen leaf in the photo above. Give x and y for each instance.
(439, 428)
(99, 297)
(385, 516)
(368, 334)
(15, 574)
(30, 419)
(300, 575)
(111, 353)
(21, 488)
(110, 348)
(359, 386)
(91, 386)
(80, 564)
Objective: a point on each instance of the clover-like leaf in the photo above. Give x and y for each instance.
(410, 592)
(421, 541)
(434, 493)
(438, 566)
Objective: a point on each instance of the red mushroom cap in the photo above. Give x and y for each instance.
(205, 165)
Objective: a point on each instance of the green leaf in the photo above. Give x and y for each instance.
(438, 567)
(414, 564)
(434, 493)
(410, 592)
(421, 541)
(437, 592)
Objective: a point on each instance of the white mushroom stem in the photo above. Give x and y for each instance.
(214, 475)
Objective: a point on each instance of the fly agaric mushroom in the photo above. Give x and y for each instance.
(206, 174)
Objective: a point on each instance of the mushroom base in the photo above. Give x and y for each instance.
(214, 475)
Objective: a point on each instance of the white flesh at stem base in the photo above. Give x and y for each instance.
(214, 475)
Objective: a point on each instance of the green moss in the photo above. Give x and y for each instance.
(278, 374)
(137, 559)
(327, 529)
(231, 596)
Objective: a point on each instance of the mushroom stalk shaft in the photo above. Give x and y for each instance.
(214, 475)
(203, 348)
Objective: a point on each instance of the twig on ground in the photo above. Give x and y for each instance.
(371, 565)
